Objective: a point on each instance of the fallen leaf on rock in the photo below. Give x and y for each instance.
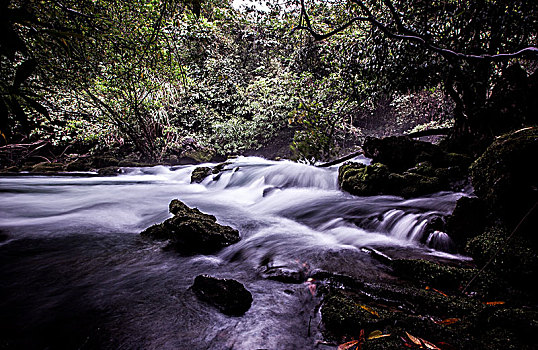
(349, 345)
(422, 343)
(436, 290)
(366, 308)
(448, 321)
(377, 334)
(495, 303)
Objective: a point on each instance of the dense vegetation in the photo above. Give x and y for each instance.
(165, 78)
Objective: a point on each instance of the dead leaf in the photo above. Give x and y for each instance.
(436, 290)
(366, 308)
(348, 345)
(448, 321)
(377, 334)
(422, 342)
(495, 302)
(415, 340)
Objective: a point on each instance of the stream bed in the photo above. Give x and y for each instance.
(76, 274)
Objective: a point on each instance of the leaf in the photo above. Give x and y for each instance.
(448, 321)
(415, 340)
(349, 345)
(422, 342)
(495, 302)
(366, 308)
(436, 290)
(377, 334)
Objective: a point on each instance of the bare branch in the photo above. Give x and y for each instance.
(403, 33)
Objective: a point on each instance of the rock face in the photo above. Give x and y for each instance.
(228, 296)
(191, 231)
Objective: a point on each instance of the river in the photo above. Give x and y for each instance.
(76, 274)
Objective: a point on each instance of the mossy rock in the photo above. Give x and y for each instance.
(362, 180)
(446, 278)
(98, 162)
(109, 171)
(376, 179)
(342, 314)
(46, 167)
(502, 178)
(191, 231)
(516, 261)
(400, 153)
(78, 165)
(200, 173)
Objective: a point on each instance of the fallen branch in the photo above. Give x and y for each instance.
(340, 160)
(430, 132)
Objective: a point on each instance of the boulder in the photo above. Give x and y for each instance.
(191, 231)
(376, 179)
(466, 221)
(400, 153)
(227, 295)
(199, 174)
(109, 171)
(502, 176)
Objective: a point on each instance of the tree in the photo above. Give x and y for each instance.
(464, 45)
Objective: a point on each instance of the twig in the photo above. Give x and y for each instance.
(501, 246)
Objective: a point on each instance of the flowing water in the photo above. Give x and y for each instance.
(75, 273)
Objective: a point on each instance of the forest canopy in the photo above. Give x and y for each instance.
(162, 78)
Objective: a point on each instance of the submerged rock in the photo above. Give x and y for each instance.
(191, 231)
(228, 296)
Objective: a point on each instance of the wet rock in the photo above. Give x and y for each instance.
(78, 165)
(109, 171)
(466, 221)
(229, 296)
(191, 231)
(46, 167)
(199, 174)
(98, 162)
(502, 178)
(376, 179)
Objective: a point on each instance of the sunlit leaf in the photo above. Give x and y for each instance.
(377, 334)
(366, 308)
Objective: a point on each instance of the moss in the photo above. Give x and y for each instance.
(517, 261)
(342, 314)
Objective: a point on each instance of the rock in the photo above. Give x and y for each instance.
(191, 231)
(228, 296)
(501, 176)
(78, 165)
(98, 162)
(46, 167)
(466, 221)
(109, 171)
(400, 153)
(516, 262)
(376, 179)
(199, 174)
